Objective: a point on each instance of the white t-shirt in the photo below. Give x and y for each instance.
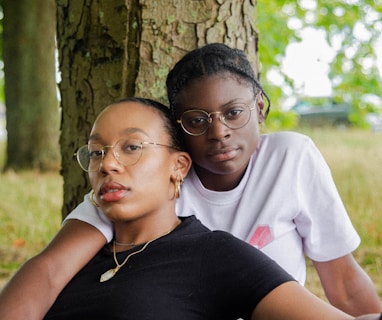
(286, 205)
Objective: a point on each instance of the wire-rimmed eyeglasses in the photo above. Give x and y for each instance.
(196, 122)
(126, 151)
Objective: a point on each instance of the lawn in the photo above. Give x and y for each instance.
(30, 202)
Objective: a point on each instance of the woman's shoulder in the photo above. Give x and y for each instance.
(191, 226)
(284, 141)
(285, 137)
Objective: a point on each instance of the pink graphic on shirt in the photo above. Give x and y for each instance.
(261, 237)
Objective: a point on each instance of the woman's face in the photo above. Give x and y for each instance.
(220, 155)
(132, 191)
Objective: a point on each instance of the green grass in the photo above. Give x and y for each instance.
(30, 214)
(30, 202)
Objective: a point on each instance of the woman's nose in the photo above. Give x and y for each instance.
(110, 162)
(217, 130)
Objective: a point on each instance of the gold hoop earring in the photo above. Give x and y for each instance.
(92, 199)
(178, 183)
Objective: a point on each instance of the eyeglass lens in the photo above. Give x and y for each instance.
(198, 121)
(126, 151)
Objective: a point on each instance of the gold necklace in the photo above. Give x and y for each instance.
(132, 244)
(111, 272)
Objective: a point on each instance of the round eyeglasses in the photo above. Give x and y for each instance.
(126, 151)
(196, 122)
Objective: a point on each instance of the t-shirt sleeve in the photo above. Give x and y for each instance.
(87, 212)
(323, 222)
(239, 274)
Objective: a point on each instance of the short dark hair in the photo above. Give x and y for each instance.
(166, 115)
(211, 59)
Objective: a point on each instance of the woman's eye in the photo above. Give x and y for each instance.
(130, 148)
(95, 154)
(233, 113)
(198, 121)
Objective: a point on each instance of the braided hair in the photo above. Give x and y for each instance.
(211, 59)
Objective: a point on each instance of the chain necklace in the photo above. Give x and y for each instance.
(111, 272)
(132, 244)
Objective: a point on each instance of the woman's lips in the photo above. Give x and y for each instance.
(112, 192)
(222, 154)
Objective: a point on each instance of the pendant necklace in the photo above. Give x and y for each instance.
(111, 272)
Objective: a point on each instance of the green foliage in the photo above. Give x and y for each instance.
(353, 72)
(279, 120)
(274, 37)
(358, 119)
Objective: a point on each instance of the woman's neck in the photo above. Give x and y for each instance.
(131, 234)
(219, 182)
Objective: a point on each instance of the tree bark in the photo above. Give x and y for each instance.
(30, 85)
(113, 49)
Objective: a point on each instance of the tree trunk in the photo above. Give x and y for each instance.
(113, 49)
(30, 85)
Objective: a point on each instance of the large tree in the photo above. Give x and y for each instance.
(30, 84)
(112, 49)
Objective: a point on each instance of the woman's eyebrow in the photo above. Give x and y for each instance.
(94, 136)
(97, 136)
(223, 105)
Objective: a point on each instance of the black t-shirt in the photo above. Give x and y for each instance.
(192, 273)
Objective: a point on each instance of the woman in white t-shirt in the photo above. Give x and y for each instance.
(274, 191)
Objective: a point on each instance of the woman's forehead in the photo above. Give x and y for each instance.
(214, 91)
(123, 116)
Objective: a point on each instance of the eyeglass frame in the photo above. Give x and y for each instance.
(116, 157)
(221, 118)
(210, 119)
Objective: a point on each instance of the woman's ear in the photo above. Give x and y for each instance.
(182, 164)
(259, 100)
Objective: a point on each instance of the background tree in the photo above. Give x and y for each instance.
(352, 29)
(30, 85)
(112, 49)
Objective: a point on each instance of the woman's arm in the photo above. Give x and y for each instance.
(347, 286)
(35, 286)
(291, 301)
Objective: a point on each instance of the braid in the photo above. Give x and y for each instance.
(209, 60)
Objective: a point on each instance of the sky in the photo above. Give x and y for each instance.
(307, 62)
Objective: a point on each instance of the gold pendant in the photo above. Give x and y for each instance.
(108, 274)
